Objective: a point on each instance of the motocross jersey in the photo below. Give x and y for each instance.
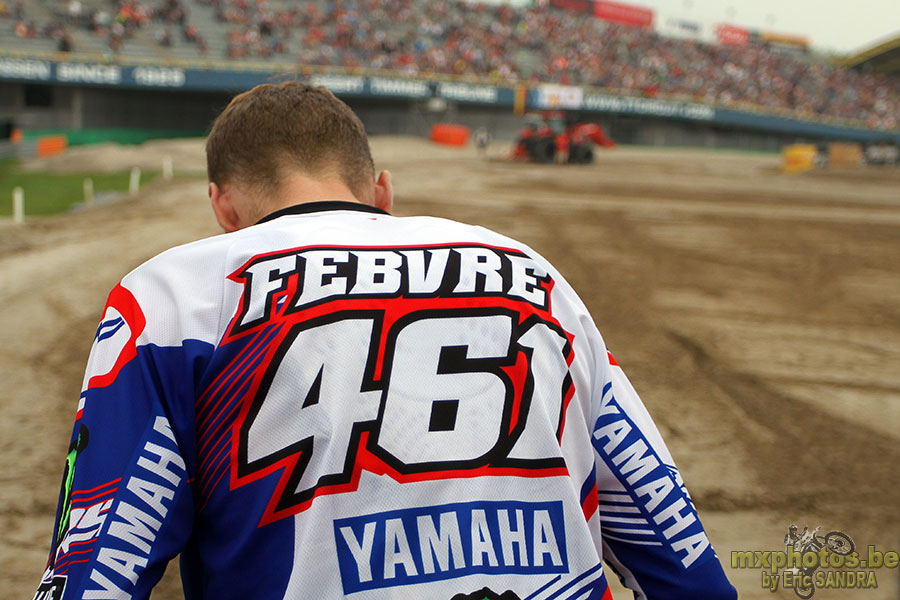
(338, 402)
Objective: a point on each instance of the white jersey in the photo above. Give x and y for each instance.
(338, 402)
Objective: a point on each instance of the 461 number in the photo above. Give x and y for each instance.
(457, 390)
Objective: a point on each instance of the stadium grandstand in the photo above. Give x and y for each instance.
(623, 67)
(880, 58)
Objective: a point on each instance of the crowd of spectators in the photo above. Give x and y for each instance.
(26, 27)
(411, 36)
(748, 76)
(503, 44)
(113, 21)
(123, 18)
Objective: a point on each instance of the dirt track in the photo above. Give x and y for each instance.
(757, 314)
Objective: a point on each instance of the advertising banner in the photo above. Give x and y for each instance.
(564, 97)
(676, 27)
(158, 77)
(626, 14)
(344, 85)
(575, 6)
(731, 35)
(25, 70)
(401, 88)
(467, 92)
(631, 105)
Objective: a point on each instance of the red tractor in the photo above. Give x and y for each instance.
(554, 137)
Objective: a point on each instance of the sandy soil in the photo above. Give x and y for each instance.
(757, 314)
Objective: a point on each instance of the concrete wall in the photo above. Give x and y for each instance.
(68, 107)
(38, 106)
(151, 109)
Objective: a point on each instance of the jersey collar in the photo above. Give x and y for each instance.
(320, 206)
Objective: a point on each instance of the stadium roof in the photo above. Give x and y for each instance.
(883, 58)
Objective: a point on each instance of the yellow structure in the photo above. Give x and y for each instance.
(798, 158)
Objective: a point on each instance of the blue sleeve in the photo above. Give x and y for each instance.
(126, 505)
(652, 535)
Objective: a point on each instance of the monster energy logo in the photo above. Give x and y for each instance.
(78, 445)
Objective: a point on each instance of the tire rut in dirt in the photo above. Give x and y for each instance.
(799, 469)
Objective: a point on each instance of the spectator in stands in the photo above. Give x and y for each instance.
(65, 43)
(117, 34)
(74, 9)
(25, 30)
(100, 20)
(164, 38)
(171, 11)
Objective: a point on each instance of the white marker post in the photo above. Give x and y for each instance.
(167, 168)
(18, 205)
(134, 184)
(88, 191)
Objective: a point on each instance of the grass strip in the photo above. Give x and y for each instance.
(53, 193)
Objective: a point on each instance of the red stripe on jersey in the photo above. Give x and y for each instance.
(590, 504)
(108, 492)
(109, 483)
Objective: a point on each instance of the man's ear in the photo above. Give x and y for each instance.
(223, 207)
(384, 193)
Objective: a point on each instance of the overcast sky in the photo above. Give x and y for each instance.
(841, 26)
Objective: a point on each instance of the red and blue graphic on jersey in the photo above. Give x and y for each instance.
(419, 363)
(115, 343)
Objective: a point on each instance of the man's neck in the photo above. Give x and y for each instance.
(299, 189)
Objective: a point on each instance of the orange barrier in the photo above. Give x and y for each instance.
(51, 144)
(451, 135)
(16, 136)
(844, 154)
